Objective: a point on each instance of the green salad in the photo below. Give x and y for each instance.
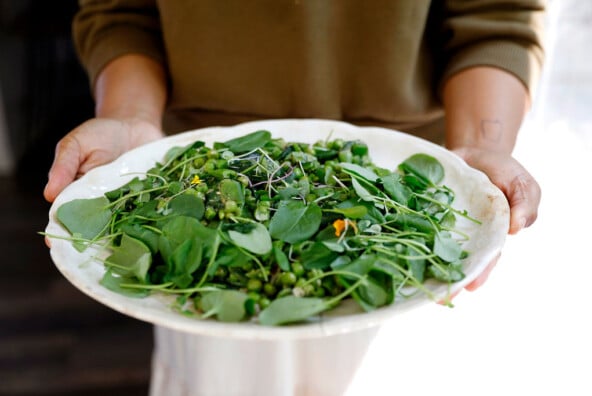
(257, 228)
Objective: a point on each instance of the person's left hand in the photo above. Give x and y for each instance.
(518, 185)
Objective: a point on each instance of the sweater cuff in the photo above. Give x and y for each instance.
(509, 56)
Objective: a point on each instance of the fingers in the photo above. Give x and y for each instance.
(520, 188)
(482, 278)
(64, 168)
(524, 195)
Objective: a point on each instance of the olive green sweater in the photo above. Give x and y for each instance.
(378, 62)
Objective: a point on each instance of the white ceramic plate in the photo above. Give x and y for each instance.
(388, 148)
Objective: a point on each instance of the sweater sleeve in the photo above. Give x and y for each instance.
(503, 34)
(106, 29)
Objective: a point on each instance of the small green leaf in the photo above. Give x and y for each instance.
(446, 248)
(295, 222)
(256, 240)
(291, 309)
(354, 212)
(248, 142)
(353, 169)
(425, 167)
(280, 256)
(318, 256)
(130, 258)
(361, 191)
(114, 283)
(227, 305)
(86, 217)
(396, 189)
(187, 205)
(232, 190)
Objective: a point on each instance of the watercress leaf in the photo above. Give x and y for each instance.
(353, 212)
(114, 283)
(280, 256)
(86, 217)
(425, 167)
(291, 309)
(361, 191)
(232, 190)
(317, 255)
(187, 205)
(130, 258)
(446, 247)
(360, 171)
(361, 265)
(184, 261)
(227, 305)
(230, 256)
(256, 240)
(373, 214)
(248, 142)
(395, 189)
(176, 152)
(373, 293)
(412, 221)
(452, 272)
(133, 185)
(145, 235)
(416, 266)
(295, 222)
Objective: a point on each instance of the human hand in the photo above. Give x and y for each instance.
(520, 188)
(93, 143)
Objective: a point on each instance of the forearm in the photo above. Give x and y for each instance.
(132, 87)
(484, 109)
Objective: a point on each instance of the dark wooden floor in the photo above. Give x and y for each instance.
(53, 339)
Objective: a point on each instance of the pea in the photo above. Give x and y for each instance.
(269, 289)
(287, 279)
(297, 268)
(284, 292)
(213, 154)
(210, 166)
(222, 164)
(221, 273)
(199, 162)
(264, 302)
(210, 213)
(254, 296)
(359, 148)
(254, 284)
(231, 207)
(297, 172)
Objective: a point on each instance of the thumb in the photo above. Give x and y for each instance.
(64, 168)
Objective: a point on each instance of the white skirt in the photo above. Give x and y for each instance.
(192, 365)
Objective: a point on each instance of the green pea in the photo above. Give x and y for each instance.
(284, 292)
(287, 279)
(231, 207)
(269, 289)
(297, 268)
(264, 302)
(359, 148)
(254, 296)
(254, 284)
(210, 166)
(214, 154)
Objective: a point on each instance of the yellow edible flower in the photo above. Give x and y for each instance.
(342, 225)
(195, 180)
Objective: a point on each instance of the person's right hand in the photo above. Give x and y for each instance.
(93, 143)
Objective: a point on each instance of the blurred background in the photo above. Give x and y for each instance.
(526, 331)
(53, 339)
